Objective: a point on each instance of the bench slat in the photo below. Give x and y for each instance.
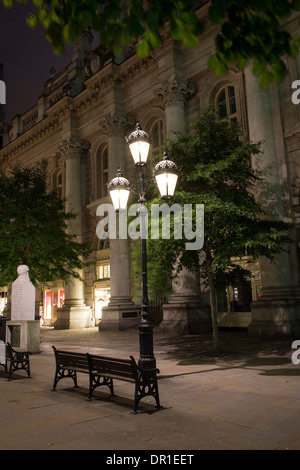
(111, 366)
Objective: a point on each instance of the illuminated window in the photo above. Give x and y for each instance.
(226, 104)
(102, 172)
(103, 271)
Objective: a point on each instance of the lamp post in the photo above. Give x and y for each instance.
(165, 173)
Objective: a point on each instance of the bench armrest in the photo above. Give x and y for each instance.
(19, 355)
(133, 361)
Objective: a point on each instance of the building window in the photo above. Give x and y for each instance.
(104, 244)
(59, 183)
(103, 271)
(157, 134)
(102, 172)
(226, 104)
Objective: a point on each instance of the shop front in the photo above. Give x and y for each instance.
(101, 289)
(53, 299)
(102, 296)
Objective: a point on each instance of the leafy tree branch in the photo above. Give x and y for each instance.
(245, 30)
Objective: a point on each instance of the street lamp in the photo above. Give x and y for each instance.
(165, 173)
(139, 144)
(119, 189)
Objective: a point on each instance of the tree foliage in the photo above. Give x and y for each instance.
(246, 29)
(215, 170)
(33, 226)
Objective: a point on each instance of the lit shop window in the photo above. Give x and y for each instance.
(53, 300)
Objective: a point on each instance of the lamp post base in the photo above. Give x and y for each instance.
(147, 360)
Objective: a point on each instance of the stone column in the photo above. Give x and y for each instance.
(277, 312)
(174, 93)
(74, 313)
(185, 312)
(121, 313)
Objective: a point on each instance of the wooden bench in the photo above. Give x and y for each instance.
(18, 360)
(68, 363)
(103, 370)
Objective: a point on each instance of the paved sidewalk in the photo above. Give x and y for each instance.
(245, 399)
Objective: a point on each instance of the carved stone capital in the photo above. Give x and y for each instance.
(73, 148)
(175, 90)
(115, 124)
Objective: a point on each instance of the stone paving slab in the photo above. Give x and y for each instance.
(247, 398)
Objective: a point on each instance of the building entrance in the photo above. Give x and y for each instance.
(102, 296)
(53, 299)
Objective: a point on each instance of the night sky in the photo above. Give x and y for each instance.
(27, 57)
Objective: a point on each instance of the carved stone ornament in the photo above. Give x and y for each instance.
(73, 148)
(175, 89)
(95, 63)
(115, 123)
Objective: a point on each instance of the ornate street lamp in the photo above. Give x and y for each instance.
(119, 189)
(139, 144)
(165, 173)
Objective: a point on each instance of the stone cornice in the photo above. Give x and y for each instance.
(39, 132)
(28, 139)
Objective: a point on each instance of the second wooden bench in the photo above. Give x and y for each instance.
(103, 370)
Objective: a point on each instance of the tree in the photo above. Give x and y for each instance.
(33, 226)
(215, 170)
(246, 29)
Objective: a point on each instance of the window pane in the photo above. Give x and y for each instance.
(231, 92)
(59, 179)
(155, 136)
(226, 102)
(104, 182)
(105, 160)
(232, 106)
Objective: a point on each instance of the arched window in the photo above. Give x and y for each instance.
(226, 104)
(104, 244)
(102, 171)
(157, 137)
(58, 183)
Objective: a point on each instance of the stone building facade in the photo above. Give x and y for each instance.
(77, 127)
